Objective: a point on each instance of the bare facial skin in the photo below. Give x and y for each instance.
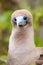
(22, 50)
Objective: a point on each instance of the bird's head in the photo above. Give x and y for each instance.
(22, 26)
(21, 18)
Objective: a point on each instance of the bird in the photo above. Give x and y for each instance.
(22, 49)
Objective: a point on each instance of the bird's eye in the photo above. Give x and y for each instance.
(15, 19)
(25, 17)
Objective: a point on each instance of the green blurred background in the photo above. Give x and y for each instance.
(6, 9)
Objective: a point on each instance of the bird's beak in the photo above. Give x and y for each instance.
(20, 22)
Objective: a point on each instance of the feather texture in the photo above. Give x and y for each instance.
(22, 50)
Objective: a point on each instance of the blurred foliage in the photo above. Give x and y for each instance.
(5, 20)
(6, 9)
(3, 57)
(37, 15)
(5, 29)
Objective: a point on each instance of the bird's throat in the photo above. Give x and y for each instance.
(23, 37)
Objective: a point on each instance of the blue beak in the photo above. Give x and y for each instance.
(21, 20)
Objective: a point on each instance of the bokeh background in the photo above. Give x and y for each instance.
(6, 9)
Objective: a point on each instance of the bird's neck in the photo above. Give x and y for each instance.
(23, 36)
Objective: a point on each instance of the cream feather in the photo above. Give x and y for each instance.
(22, 49)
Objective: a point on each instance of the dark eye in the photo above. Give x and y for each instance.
(15, 19)
(25, 17)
